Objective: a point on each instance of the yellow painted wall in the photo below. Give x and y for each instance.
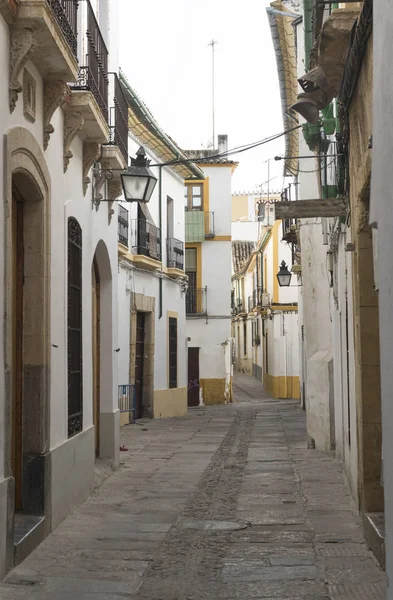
(213, 390)
(125, 418)
(239, 207)
(170, 403)
(282, 386)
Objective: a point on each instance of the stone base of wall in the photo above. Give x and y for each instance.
(125, 418)
(7, 493)
(72, 471)
(170, 403)
(213, 391)
(282, 386)
(257, 372)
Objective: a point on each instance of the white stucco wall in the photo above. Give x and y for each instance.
(66, 200)
(381, 213)
(212, 334)
(345, 412)
(283, 349)
(147, 283)
(245, 230)
(220, 197)
(316, 317)
(210, 337)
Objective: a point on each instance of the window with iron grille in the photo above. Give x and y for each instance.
(123, 225)
(172, 352)
(74, 326)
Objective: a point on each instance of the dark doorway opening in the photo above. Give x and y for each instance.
(139, 363)
(193, 377)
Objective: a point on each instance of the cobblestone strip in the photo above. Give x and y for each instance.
(188, 564)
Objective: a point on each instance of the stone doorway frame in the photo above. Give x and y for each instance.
(146, 304)
(108, 442)
(26, 168)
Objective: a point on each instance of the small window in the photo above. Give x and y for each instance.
(29, 96)
(172, 352)
(191, 260)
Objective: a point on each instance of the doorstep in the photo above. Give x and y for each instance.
(374, 532)
(29, 531)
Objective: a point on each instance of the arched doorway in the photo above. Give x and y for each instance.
(103, 354)
(28, 320)
(96, 347)
(25, 403)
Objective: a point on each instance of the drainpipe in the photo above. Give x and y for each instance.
(307, 8)
(161, 233)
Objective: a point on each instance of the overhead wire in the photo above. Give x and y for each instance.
(236, 150)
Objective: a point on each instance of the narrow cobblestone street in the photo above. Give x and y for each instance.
(225, 503)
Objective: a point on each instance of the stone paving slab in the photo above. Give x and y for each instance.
(226, 503)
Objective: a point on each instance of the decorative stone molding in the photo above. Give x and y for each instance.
(73, 122)
(23, 44)
(56, 93)
(9, 10)
(91, 151)
(29, 95)
(114, 191)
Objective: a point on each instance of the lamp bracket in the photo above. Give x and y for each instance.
(100, 176)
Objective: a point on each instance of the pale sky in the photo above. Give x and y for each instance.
(164, 53)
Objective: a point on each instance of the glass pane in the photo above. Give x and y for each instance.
(150, 189)
(196, 191)
(196, 203)
(134, 187)
(190, 259)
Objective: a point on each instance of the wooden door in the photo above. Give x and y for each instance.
(96, 352)
(17, 345)
(193, 377)
(139, 363)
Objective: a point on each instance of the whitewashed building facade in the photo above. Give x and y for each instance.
(152, 356)
(58, 388)
(208, 267)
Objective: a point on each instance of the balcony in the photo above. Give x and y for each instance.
(146, 244)
(196, 301)
(199, 225)
(239, 307)
(123, 227)
(45, 31)
(8, 9)
(66, 15)
(209, 225)
(289, 230)
(175, 257)
(118, 128)
(90, 92)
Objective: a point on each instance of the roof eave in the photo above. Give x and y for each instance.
(164, 147)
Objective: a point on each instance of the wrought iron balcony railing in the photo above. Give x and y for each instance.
(209, 225)
(123, 226)
(66, 14)
(239, 306)
(145, 239)
(175, 254)
(196, 301)
(257, 296)
(289, 230)
(119, 119)
(93, 74)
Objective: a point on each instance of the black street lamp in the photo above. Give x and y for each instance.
(284, 276)
(138, 181)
